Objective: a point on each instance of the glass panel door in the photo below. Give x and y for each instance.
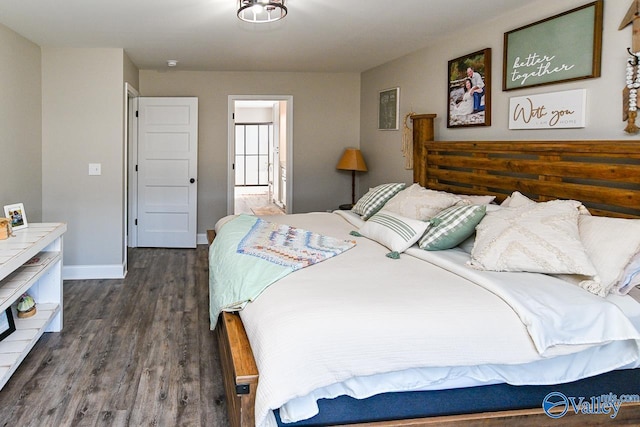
(253, 142)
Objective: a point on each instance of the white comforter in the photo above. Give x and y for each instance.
(362, 323)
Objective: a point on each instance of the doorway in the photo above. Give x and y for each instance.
(255, 153)
(260, 143)
(131, 95)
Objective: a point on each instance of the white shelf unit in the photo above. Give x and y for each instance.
(31, 261)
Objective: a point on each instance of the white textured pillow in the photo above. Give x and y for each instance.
(612, 244)
(393, 231)
(421, 203)
(540, 238)
(467, 245)
(518, 199)
(477, 200)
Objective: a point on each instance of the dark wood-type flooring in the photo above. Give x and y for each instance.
(133, 352)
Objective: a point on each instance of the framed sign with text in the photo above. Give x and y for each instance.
(556, 110)
(561, 48)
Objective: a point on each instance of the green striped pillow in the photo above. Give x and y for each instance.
(375, 199)
(451, 227)
(396, 232)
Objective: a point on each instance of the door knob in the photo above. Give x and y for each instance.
(192, 180)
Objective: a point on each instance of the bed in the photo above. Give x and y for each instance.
(603, 175)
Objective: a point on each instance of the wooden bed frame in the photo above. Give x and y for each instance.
(604, 175)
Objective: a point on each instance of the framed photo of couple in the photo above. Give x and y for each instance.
(17, 215)
(469, 90)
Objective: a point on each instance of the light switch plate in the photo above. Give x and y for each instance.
(95, 169)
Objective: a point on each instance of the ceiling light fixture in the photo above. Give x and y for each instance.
(172, 63)
(261, 11)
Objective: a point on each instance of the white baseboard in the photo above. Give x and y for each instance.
(89, 272)
(201, 239)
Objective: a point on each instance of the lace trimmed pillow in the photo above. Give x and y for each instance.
(421, 203)
(539, 238)
(612, 245)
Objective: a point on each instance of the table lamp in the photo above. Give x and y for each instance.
(352, 160)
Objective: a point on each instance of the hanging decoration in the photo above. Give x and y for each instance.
(407, 142)
(633, 83)
(630, 92)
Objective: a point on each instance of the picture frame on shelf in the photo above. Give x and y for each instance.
(469, 90)
(388, 109)
(17, 215)
(561, 48)
(7, 324)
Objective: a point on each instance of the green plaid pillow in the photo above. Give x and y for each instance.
(451, 227)
(375, 199)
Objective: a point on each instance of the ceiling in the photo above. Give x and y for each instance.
(316, 35)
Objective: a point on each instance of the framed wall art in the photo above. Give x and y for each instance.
(561, 48)
(17, 214)
(469, 90)
(388, 109)
(556, 110)
(7, 324)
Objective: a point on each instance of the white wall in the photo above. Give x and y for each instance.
(130, 72)
(254, 115)
(326, 114)
(422, 78)
(20, 124)
(82, 122)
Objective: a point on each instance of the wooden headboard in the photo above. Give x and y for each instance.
(603, 174)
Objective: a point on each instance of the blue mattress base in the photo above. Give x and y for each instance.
(498, 397)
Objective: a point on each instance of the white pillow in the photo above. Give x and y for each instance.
(477, 200)
(518, 199)
(393, 231)
(631, 277)
(612, 244)
(421, 203)
(540, 238)
(467, 245)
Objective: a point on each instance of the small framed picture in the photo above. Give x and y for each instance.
(7, 325)
(17, 214)
(388, 106)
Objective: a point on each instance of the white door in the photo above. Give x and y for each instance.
(167, 172)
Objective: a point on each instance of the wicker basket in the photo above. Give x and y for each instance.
(5, 228)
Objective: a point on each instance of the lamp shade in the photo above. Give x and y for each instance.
(352, 160)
